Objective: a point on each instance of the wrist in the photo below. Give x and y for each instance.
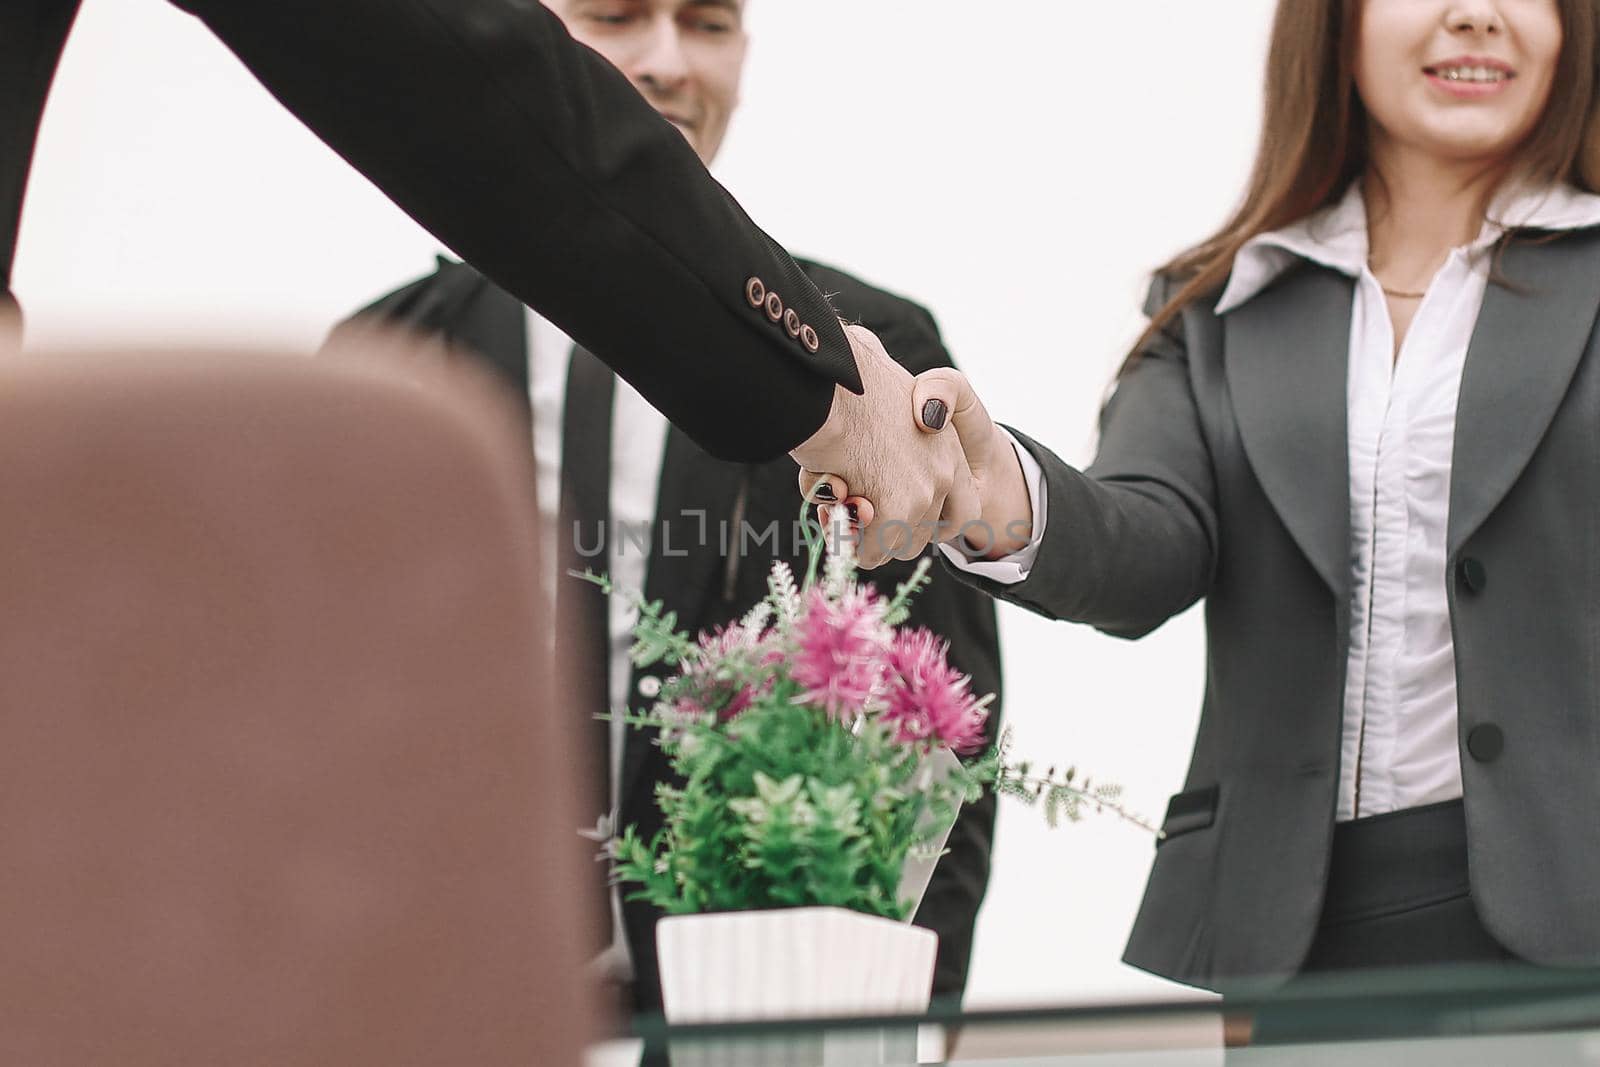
(1005, 525)
(825, 441)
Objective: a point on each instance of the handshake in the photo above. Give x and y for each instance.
(915, 461)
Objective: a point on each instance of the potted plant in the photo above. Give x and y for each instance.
(813, 741)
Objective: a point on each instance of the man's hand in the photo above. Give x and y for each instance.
(912, 478)
(994, 519)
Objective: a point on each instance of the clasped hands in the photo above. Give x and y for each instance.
(915, 460)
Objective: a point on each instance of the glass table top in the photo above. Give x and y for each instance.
(1507, 1017)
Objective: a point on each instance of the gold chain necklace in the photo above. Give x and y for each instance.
(1400, 294)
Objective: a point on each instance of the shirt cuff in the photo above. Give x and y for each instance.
(1009, 570)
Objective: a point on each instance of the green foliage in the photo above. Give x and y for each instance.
(779, 803)
(656, 638)
(900, 607)
(783, 808)
(1062, 796)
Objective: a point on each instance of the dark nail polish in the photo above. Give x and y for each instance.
(824, 492)
(933, 414)
(855, 515)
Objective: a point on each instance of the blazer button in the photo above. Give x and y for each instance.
(791, 322)
(1486, 742)
(809, 338)
(774, 307)
(1471, 574)
(649, 686)
(755, 291)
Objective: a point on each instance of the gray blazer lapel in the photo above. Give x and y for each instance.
(1287, 353)
(1528, 341)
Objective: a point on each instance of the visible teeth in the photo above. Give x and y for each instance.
(1472, 74)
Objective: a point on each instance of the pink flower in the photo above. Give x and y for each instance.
(929, 700)
(840, 650)
(729, 673)
(725, 641)
(739, 703)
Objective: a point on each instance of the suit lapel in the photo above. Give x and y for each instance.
(1529, 339)
(1287, 354)
(696, 500)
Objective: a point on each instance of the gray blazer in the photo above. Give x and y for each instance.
(1223, 474)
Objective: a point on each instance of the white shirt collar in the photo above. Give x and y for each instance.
(1336, 236)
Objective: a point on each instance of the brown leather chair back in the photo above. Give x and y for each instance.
(278, 779)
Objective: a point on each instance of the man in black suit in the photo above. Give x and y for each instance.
(532, 158)
(693, 531)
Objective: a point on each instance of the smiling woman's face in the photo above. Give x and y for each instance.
(685, 56)
(1460, 80)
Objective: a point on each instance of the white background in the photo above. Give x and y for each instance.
(1017, 167)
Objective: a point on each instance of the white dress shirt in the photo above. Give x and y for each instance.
(638, 444)
(1400, 746)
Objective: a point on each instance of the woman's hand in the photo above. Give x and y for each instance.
(999, 517)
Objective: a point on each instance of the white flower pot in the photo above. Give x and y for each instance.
(794, 963)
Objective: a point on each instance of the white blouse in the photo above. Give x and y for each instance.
(1400, 746)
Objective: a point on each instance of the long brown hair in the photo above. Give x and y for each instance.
(1314, 134)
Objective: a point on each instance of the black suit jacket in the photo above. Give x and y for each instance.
(534, 159)
(708, 588)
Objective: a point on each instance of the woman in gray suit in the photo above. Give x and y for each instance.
(1364, 427)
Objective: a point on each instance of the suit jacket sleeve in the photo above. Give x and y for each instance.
(1131, 541)
(962, 616)
(537, 162)
(32, 34)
